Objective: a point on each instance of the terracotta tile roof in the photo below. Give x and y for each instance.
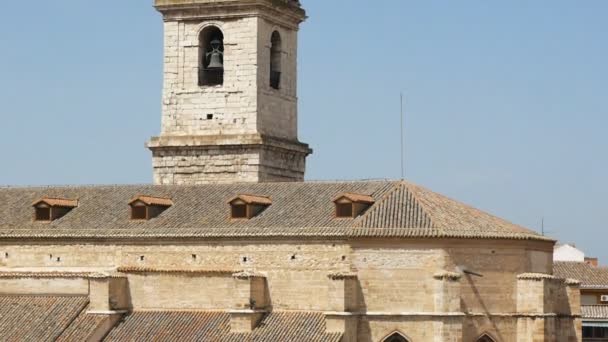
(171, 326)
(37, 318)
(82, 327)
(252, 199)
(594, 311)
(292, 326)
(357, 198)
(303, 209)
(589, 276)
(149, 200)
(213, 326)
(57, 202)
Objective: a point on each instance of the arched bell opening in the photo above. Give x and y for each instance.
(275, 60)
(395, 337)
(485, 338)
(211, 57)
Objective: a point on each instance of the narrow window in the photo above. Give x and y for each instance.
(50, 209)
(248, 206)
(43, 213)
(147, 207)
(352, 205)
(211, 57)
(275, 60)
(239, 211)
(139, 212)
(344, 210)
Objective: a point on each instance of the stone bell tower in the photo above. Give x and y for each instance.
(229, 106)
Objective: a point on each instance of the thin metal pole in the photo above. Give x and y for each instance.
(402, 141)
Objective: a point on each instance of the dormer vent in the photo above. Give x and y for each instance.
(50, 209)
(147, 207)
(350, 205)
(248, 206)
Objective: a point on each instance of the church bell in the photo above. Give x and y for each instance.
(216, 57)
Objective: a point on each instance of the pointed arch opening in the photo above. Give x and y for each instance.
(485, 338)
(275, 60)
(396, 337)
(211, 57)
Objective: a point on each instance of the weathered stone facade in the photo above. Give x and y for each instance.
(403, 264)
(221, 133)
(367, 289)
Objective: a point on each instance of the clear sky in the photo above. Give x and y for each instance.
(506, 101)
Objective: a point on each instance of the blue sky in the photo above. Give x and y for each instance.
(506, 101)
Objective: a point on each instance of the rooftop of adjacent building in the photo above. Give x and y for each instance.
(593, 279)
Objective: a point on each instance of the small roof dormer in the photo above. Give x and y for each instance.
(145, 208)
(248, 206)
(48, 209)
(351, 205)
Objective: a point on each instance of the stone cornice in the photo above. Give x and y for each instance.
(281, 11)
(227, 140)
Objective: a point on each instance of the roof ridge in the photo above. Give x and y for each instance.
(414, 211)
(474, 212)
(111, 185)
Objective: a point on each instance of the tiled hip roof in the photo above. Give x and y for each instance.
(37, 318)
(299, 209)
(589, 276)
(215, 327)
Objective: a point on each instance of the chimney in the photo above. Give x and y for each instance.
(591, 261)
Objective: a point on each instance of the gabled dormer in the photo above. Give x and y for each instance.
(145, 208)
(248, 206)
(49, 209)
(351, 205)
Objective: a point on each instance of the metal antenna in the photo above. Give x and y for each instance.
(402, 140)
(542, 227)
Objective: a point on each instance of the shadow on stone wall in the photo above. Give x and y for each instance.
(363, 328)
(490, 325)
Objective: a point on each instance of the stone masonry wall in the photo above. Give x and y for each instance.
(233, 105)
(396, 284)
(245, 103)
(226, 164)
(277, 108)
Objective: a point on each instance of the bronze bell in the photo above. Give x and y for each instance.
(215, 56)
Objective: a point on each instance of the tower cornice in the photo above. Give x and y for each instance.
(289, 11)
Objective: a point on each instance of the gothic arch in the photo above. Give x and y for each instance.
(485, 337)
(395, 337)
(276, 50)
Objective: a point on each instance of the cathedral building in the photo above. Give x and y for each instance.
(231, 244)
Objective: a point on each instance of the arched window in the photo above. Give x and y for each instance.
(211, 57)
(485, 338)
(275, 60)
(395, 337)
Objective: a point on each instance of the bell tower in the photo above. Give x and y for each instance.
(229, 104)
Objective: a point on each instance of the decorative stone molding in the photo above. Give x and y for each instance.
(342, 275)
(447, 275)
(572, 282)
(248, 275)
(137, 269)
(46, 275)
(536, 276)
